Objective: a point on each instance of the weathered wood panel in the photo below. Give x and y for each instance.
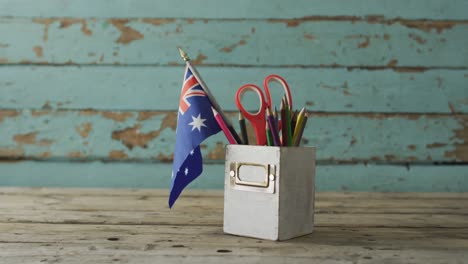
(361, 255)
(391, 75)
(168, 236)
(359, 177)
(197, 209)
(134, 244)
(90, 135)
(137, 200)
(411, 9)
(158, 88)
(305, 42)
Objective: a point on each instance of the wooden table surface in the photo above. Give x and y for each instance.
(135, 226)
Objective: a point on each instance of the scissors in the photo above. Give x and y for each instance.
(258, 119)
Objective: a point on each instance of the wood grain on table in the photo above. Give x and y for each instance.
(47, 225)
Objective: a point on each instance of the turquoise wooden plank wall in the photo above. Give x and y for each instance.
(89, 89)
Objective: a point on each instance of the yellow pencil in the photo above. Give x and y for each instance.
(301, 130)
(300, 119)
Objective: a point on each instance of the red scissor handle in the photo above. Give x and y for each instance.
(284, 84)
(256, 119)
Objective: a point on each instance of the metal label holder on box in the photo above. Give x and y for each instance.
(269, 191)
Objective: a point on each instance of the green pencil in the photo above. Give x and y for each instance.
(268, 134)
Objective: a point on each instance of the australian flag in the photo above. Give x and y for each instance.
(195, 123)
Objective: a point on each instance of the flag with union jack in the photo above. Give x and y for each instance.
(195, 123)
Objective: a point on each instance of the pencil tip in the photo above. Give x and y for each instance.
(286, 103)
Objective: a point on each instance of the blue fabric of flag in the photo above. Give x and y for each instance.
(195, 123)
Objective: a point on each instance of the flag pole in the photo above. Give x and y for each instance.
(186, 58)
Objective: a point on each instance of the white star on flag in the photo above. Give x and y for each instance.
(186, 171)
(197, 122)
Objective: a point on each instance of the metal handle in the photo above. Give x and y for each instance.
(267, 185)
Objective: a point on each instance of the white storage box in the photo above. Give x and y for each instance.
(269, 191)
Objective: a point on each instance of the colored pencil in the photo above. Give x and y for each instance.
(300, 117)
(268, 134)
(245, 138)
(302, 125)
(288, 123)
(273, 130)
(223, 126)
(284, 132)
(293, 122)
(275, 116)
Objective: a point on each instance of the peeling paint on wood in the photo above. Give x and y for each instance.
(436, 145)
(38, 51)
(229, 48)
(309, 36)
(460, 151)
(28, 138)
(45, 155)
(423, 25)
(8, 114)
(355, 56)
(132, 137)
(365, 43)
(158, 21)
(340, 137)
(11, 152)
(117, 116)
(127, 34)
(64, 23)
(88, 112)
(373, 48)
(46, 22)
(118, 154)
(392, 63)
(169, 121)
(145, 115)
(45, 142)
(84, 129)
(428, 26)
(37, 113)
(76, 154)
(165, 158)
(199, 59)
(417, 38)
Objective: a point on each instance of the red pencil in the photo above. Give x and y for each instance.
(224, 127)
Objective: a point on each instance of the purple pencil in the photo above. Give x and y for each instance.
(274, 131)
